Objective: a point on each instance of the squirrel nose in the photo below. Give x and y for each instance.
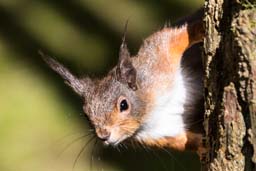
(103, 134)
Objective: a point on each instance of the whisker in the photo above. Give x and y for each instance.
(72, 142)
(92, 153)
(60, 139)
(126, 146)
(81, 151)
(133, 145)
(117, 147)
(123, 145)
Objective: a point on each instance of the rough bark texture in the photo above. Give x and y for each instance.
(230, 85)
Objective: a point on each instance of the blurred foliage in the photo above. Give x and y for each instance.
(39, 115)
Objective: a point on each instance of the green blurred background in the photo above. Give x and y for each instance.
(39, 115)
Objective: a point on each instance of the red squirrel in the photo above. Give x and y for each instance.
(154, 97)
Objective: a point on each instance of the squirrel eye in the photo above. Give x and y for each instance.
(124, 105)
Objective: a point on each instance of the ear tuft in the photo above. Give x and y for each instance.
(125, 71)
(69, 78)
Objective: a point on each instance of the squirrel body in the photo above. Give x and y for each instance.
(152, 97)
(167, 89)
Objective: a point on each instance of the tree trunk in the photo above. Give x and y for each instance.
(230, 85)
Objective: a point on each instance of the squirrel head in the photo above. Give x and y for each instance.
(114, 109)
(112, 104)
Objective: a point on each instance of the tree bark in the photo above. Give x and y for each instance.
(230, 85)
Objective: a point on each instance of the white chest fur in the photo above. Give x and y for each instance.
(165, 119)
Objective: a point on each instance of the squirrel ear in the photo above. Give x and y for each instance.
(76, 84)
(125, 71)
